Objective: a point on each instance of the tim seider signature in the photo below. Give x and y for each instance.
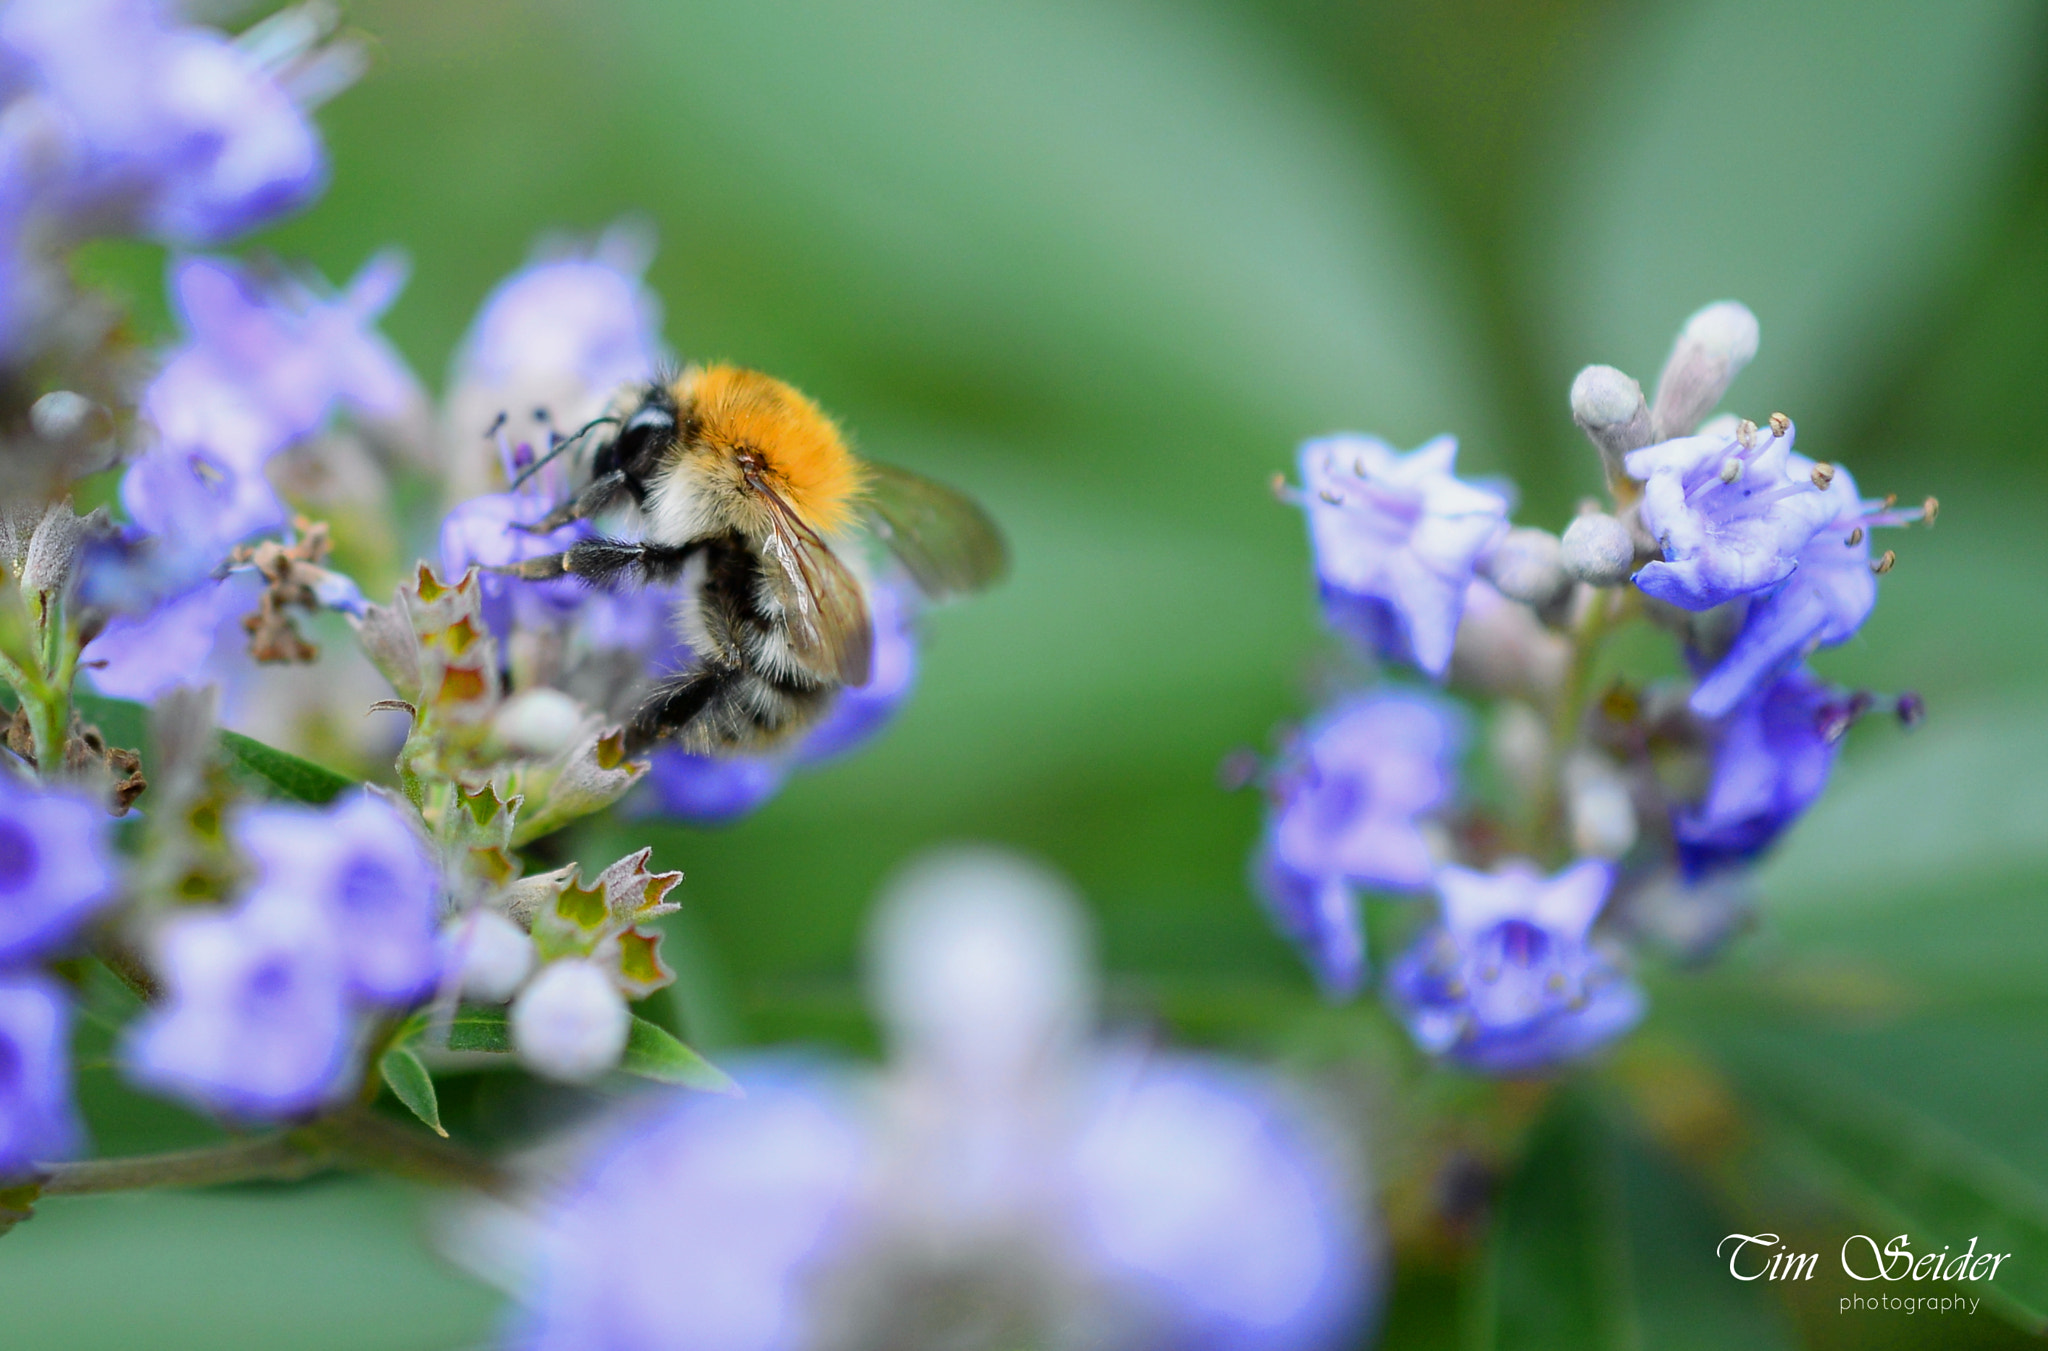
(1862, 1260)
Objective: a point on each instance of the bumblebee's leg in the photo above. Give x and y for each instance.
(675, 703)
(608, 563)
(593, 499)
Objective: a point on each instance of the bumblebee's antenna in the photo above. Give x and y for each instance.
(561, 444)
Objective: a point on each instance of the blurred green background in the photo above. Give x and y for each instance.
(1104, 263)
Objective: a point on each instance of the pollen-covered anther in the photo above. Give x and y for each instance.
(1731, 469)
(1884, 562)
(1855, 537)
(1929, 510)
(1745, 432)
(1823, 475)
(1780, 424)
(1910, 708)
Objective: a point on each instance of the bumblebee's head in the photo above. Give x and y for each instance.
(739, 431)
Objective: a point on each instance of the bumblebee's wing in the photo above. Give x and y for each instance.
(943, 537)
(829, 628)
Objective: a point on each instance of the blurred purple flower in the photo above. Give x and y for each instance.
(1509, 983)
(547, 350)
(1731, 513)
(185, 640)
(1771, 761)
(1231, 1232)
(1124, 1200)
(143, 123)
(268, 357)
(37, 1121)
(258, 1023)
(585, 318)
(1396, 540)
(1348, 804)
(740, 1196)
(55, 866)
(713, 789)
(360, 863)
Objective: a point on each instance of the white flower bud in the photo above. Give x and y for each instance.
(62, 414)
(570, 1022)
(495, 954)
(1603, 816)
(541, 721)
(1597, 550)
(1716, 343)
(1525, 566)
(1610, 410)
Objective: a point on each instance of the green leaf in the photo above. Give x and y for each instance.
(474, 1027)
(412, 1085)
(1599, 1243)
(652, 1053)
(259, 767)
(1832, 202)
(280, 773)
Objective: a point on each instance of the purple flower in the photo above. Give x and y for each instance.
(1772, 755)
(1396, 540)
(713, 789)
(258, 1024)
(363, 866)
(268, 358)
(1508, 983)
(740, 1197)
(480, 531)
(1200, 1197)
(1348, 805)
(37, 1122)
(1731, 513)
(583, 318)
(183, 641)
(1054, 1192)
(144, 123)
(554, 342)
(1822, 604)
(54, 867)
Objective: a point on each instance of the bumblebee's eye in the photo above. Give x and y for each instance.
(643, 436)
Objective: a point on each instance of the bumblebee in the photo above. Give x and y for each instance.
(735, 485)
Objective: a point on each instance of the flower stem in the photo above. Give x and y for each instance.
(1548, 828)
(352, 1137)
(269, 1158)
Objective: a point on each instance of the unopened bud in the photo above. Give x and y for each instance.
(62, 415)
(495, 956)
(1525, 566)
(1609, 408)
(1603, 817)
(1716, 343)
(570, 1022)
(47, 569)
(1597, 550)
(1823, 475)
(541, 721)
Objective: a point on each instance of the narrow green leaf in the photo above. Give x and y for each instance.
(1930, 1127)
(475, 1027)
(1600, 1243)
(279, 772)
(412, 1085)
(652, 1053)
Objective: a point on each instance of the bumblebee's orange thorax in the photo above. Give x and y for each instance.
(738, 412)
